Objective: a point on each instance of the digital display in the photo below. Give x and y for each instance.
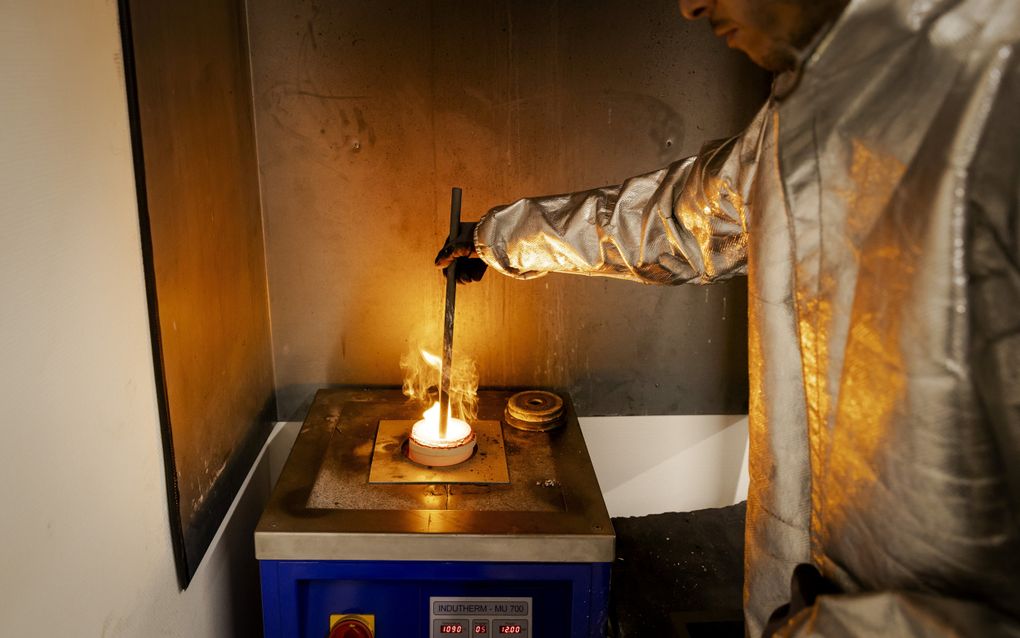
(480, 616)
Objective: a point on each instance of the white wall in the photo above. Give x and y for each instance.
(84, 538)
(652, 464)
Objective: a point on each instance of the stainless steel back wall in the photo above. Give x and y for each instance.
(368, 111)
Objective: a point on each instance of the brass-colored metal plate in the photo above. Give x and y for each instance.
(391, 465)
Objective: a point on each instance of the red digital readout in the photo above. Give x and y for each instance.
(456, 628)
(509, 629)
(481, 629)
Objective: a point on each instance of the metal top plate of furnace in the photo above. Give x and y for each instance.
(390, 463)
(324, 506)
(343, 480)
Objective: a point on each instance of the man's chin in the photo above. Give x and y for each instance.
(775, 60)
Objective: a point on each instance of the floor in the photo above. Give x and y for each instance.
(679, 574)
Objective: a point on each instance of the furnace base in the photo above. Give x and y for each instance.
(529, 556)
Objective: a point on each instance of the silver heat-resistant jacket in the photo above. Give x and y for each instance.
(872, 204)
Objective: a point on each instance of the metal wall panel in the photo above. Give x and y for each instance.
(190, 97)
(368, 111)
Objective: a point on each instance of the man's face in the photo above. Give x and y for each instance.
(769, 31)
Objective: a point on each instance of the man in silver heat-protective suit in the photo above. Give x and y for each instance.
(872, 204)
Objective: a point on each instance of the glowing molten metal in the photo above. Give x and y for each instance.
(428, 448)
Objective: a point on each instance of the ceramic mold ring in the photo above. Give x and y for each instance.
(534, 410)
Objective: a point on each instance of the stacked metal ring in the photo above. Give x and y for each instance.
(534, 411)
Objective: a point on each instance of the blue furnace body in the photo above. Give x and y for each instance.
(359, 541)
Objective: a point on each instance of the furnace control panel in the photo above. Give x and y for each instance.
(471, 617)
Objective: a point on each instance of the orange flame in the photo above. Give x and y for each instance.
(421, 381)
(426, 431)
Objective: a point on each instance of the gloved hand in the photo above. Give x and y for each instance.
(806, 585)
(462, 250)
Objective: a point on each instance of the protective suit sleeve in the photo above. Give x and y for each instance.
(683, 223)
(993, 275)
(898, 614)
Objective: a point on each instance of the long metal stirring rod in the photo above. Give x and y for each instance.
(451, 301)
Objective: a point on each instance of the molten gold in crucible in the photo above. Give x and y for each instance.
(429, 446)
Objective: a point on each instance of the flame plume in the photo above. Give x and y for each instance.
(421, 381)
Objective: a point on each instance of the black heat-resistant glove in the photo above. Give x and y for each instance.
(462, 249)
(806, 585)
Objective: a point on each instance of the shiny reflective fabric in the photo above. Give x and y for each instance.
(874, 209)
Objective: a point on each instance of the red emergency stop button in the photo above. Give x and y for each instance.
(351, 628)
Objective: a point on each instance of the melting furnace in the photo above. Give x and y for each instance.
(369, 532)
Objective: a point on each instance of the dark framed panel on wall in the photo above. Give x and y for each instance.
(189, 97)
